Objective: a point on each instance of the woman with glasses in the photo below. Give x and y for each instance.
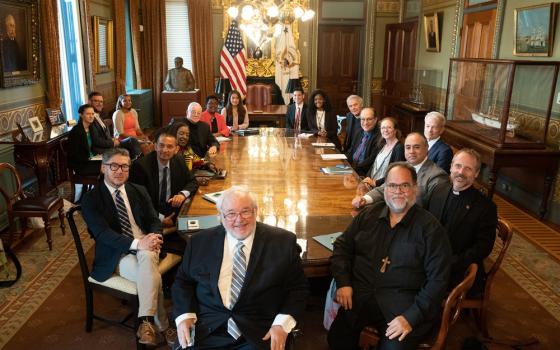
(79, 151)
(235, 112)
(321, 118)
(391, 150)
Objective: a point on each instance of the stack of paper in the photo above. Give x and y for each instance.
(212, 197)
(337, 170)
(304, 135)
(323, 144)
(222, 139)
(334, 156)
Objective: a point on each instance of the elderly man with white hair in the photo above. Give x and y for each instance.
(202, 140)
(241, 284)
(438, 151)
(355, 104)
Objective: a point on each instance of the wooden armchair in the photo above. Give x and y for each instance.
(480, 305)
(19, 206)
(451, 310)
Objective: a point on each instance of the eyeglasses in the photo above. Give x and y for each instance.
(386, 128)
(115, 166)
(245, 214)
(404, 187)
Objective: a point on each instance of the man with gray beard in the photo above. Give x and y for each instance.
(391, 267)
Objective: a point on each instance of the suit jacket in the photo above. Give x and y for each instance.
(291, 117)
(429, 177)
(274, 283)
(441, 154)
(201, 138)
(101, 139)
(220, 121)
(472, 233)
(331, 125)
(372, 148)
(353, 127)
(100, 214)
(145, 172)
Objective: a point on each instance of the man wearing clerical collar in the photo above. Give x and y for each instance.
(468, 216)
(391, 267)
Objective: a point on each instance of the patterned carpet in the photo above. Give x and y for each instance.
(43, 271)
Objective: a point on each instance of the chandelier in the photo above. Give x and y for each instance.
(263, 20)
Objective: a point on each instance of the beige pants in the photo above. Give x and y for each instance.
(142, 268)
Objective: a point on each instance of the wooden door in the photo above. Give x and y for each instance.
(338, 63)
(477, 38)
(398, 64)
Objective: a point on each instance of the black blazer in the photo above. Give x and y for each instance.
(472, 234)
(274, 283)
(77, 147)
(353, 126)
(101, 139)
(145, 172)
(291, 117)
(372, 148)
(441, 154)
(331, 125)
(100, 214)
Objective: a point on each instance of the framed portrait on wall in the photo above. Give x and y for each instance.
(534, 28)
(19, 43)
(432, 23)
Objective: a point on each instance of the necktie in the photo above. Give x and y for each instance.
(359, 154)
(123, 215)
(238, 275)
(298, 119)
(163, 190)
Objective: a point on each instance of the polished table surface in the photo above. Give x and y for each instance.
(292, 192)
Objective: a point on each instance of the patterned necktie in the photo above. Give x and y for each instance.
(238, 275)
(123, 215)
(359, 154)
(163, 190)
(298, 119)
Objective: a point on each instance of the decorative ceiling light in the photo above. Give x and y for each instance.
(263, 20)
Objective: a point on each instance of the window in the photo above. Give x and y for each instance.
(177, 29)
(71, 58)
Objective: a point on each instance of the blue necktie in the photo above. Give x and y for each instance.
(123, 215)
(359, 155)
(238, 276)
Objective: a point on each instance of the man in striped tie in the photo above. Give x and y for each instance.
(240, 283)
(126, 229)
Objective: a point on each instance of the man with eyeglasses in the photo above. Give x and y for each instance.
(429, 174)
(391, 267)
(469, 217)
(101, 137)
(365, 147)
(120, 217)
(241, 284)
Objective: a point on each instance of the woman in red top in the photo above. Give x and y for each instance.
(211, 117)
(125, 119)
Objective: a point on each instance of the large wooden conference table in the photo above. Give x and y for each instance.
(292, 191)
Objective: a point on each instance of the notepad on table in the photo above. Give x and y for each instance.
(334, 156)
(337, 170)
(327, 240)
(323, 144)
(304, 135)
(222, 139)
(212, 197)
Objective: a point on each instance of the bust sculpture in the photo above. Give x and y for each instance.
(179, 78)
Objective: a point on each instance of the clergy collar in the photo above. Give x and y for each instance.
(460, 193)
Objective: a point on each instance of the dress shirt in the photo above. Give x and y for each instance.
(136, 231)
(224, 281)
(320, 120)
(416, 167)
(160, 177)
(432, 142)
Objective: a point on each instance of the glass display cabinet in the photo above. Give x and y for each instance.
(488, 100)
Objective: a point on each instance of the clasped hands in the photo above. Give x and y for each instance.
(398, 327)
(151, 242)
(276, 335)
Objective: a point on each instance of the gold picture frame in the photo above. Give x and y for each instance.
(533, 29)
(432, 26)
(103, 44)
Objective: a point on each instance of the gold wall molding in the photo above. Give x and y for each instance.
(388, 6)
(428, 5)
(263, 67)
(9, 117)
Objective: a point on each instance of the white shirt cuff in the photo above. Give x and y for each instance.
(286, 321)
(186, 193)
(368, 198)
(134, 245)
(183, 317)
(161, 216)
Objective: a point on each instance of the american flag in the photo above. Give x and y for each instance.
(233, 61)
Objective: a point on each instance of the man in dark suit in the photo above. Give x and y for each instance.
(355, 105)
(391, 267)
(126, 229)
(469, 217)
(101, 139)
(429, 174)
(235, 303)
(438, 151)
(364, 149)
(166, 177)
(296, 115)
